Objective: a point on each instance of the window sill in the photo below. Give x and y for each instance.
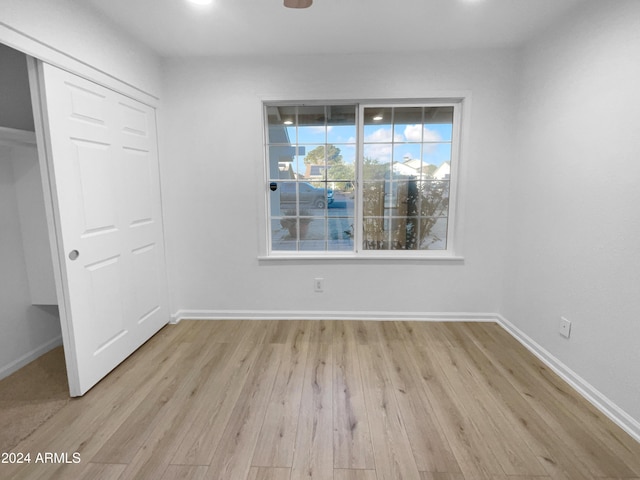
(362, 258)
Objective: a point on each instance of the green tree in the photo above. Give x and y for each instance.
(317, 156)
(373, 169)
(342, 171)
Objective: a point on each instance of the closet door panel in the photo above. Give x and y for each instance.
(103, 164)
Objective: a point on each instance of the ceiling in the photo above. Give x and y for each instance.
(258, 27)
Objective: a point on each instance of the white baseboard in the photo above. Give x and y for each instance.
(330, 315)
(584, 388)
(29, 357)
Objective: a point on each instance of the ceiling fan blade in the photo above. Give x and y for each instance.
(297, 3)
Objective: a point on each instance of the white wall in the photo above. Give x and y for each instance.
(27, 331)
(574, 226)
(212, 181)
(74, 28)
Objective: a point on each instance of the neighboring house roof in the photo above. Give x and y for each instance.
(443, 171)
(404, 169)
(415, 163)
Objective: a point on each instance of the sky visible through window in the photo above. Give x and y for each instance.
(383, 142)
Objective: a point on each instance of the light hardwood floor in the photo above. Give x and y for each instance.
(342, 400)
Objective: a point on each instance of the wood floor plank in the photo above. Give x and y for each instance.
(367, 332)
(351, 435)
(454, 370)
(430, 446)
(212, 416)
(467, 443)
(321, 331)
(313, 457)
(443, 476)
(350, 474)
(232, 457)
(281, 330)
(514, 455)
(125, 442)
(267, 473)
(178, 415)
(183, 472)
(98, 471)
(389, 331)
(278, 434)
(391, 445)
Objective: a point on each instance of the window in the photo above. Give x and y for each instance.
(363, 179)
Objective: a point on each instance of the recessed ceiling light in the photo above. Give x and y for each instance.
(201, 2)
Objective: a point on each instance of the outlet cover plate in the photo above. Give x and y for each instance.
(565, 327)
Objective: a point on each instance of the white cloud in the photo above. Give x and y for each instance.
(382, 135)
(320, 129)
(412, 133)
(381, 152)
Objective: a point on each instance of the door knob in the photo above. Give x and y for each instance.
(73, 254)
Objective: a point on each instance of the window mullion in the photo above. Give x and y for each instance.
(358, 227)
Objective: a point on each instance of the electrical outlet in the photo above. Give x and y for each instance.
(565, 327)
(318, 285)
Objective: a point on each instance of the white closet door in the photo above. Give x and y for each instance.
(103, 169)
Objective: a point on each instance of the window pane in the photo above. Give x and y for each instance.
(438, 122)
(314, 164)
(430, 222)
(343, 167)
(284, 199)
(376, 163)
(377, 116)
(340, 232)
(438, 156)
(435, 233)
(341, 213)
(406, 159)
(282, 162)
(281, 237)
(407, 123)
(341, 124)
(309, 196)
(312, 124)
(281, 124)
(433, 198)
(313, 232)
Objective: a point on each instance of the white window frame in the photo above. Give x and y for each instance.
(452, 252)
